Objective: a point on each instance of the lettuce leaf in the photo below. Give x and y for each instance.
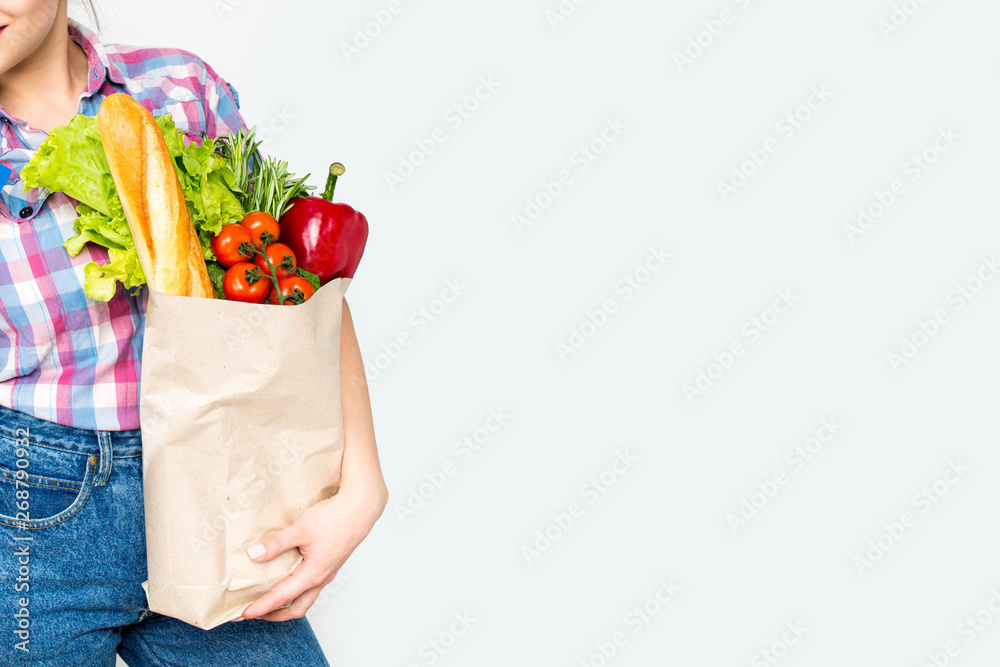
(72, 160)
(123, 267)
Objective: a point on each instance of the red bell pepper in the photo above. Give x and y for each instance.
(328, 239)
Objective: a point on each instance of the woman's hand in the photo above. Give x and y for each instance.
(329, 531)
(326, 534)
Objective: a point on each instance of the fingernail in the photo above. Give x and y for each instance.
(256, 551)
(237, 620)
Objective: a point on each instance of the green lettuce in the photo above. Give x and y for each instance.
(72, 160)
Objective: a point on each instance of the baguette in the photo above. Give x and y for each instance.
(144, 174)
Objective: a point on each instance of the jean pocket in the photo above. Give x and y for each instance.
(42, 486)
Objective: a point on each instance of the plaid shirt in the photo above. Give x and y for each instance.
(64, 357)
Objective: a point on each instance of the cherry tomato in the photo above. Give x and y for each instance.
(288, 287)
(237, 286)
(259, 222)
(226, 244)
(276, 253)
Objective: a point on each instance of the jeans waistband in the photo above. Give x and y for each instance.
(13, 425)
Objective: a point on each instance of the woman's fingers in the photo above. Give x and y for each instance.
(279, 542)
(299, 607)
(302, 579)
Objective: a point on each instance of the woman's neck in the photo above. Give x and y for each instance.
(44, 89)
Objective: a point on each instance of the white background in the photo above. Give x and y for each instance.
(803, 556)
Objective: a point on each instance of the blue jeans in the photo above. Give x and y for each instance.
(73, 558)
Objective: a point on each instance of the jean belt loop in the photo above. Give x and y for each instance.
(104, 469)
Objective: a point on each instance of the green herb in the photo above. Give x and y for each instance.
(261, 185)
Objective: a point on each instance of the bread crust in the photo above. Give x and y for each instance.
(157, 214)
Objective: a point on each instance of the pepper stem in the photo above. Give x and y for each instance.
(336, 169)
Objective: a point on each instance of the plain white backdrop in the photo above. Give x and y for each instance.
(777, 445)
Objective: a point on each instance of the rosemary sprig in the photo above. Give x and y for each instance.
(261, 185)
(274, 188)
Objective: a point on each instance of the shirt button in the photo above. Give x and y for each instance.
(26, 212)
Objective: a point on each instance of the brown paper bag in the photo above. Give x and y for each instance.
(242, 431)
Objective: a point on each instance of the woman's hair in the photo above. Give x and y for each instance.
(92, 10)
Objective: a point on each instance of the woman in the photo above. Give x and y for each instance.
(69, 392)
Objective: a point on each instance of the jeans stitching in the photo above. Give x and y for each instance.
(68, 485)
(44, 445)
(105, 459)
(71, 511)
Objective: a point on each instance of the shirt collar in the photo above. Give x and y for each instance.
(100, 67)
(97, 57)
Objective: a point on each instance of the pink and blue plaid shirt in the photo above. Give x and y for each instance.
(64, 357)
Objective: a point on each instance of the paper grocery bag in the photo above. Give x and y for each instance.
(242, 431)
